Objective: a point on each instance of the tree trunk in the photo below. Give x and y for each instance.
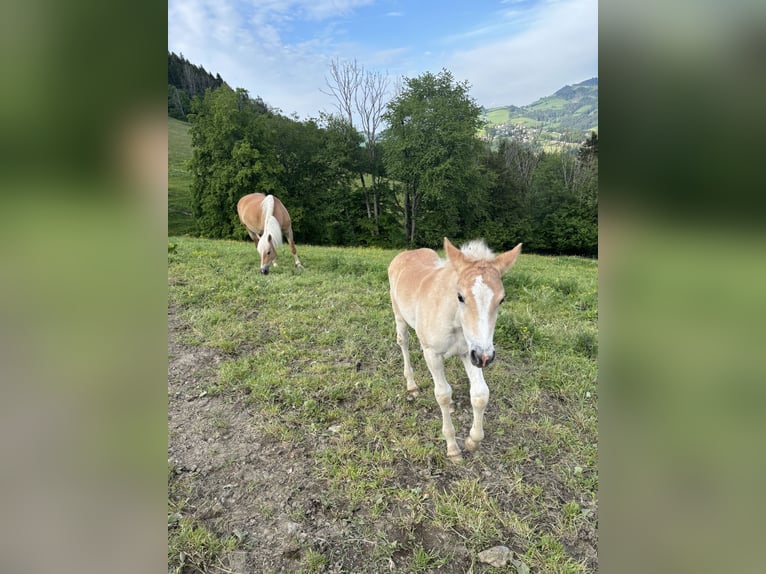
(375, 206)
(366, 196)
(406, 214)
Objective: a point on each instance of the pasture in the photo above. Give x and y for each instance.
(293, 447)
(180, 219)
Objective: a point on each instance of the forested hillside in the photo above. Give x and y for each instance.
(185, 80)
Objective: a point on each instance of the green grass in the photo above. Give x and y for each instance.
(497, 116)
(191, 545)
(549, 103)
(180, 220)
(525, 122)
(316, 349)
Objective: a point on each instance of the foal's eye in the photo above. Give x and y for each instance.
(460, 298)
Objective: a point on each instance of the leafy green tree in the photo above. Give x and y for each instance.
(341, 154)
(233, 155)
(563, 209)
(507, 223)
(432, 150)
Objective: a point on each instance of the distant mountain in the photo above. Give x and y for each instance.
(563, 118)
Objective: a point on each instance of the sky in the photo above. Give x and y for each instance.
(511, 52)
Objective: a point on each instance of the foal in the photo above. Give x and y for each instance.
(452, 305)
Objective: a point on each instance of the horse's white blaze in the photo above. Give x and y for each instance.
(483, 295)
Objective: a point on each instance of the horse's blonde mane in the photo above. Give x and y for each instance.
(270, 225)
(477, 249)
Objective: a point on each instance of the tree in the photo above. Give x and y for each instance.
(431, 148)
(563, 211)
(233, 154)
(370, 104)
(345, 78)
(355, 89)
(340, 155)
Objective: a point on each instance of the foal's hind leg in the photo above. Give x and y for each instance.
(292, 248)
(403, 339)
(479, 400)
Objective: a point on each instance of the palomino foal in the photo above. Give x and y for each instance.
(266, 220)
(452, 305)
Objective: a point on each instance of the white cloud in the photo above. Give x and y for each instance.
(558, 47)
(246, 42)
(242, 42)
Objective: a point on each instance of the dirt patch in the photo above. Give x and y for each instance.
(234, 480)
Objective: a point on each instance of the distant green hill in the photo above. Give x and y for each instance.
(563, 118)
(180, 220)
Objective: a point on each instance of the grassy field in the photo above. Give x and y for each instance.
(497, 115)
(180, 220)
(309, 431)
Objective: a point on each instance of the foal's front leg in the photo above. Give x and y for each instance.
(443, 393)
(479, 400)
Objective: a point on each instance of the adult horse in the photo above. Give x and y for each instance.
(266, 220)
(452, 305)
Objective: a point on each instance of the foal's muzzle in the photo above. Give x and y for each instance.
(264, 270)
(481, 359)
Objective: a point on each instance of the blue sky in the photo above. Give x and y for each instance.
(509, 51)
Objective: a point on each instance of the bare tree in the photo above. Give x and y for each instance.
(345, 79)
(523, 158)
(370, 104)
(343, 83)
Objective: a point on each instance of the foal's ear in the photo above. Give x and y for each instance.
(453, 253)
(504, 261)
(269, 239)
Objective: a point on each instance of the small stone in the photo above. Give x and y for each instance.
(497, 556)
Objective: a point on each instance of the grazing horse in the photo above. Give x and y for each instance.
(266, 220)
(452, 305)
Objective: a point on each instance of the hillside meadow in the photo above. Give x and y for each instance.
(180, 220)
(292, 445)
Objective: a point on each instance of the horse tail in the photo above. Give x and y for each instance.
(270, 224)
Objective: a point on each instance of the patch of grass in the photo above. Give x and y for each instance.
(425, 561)
(466, 507)
(193, 547)
(180, 220)
(586, 343)
(314, 561)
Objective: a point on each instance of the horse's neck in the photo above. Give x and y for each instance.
(444, 289)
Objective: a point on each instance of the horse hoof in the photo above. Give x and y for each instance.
(470, 444)
(455, 458)
(412, 395)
